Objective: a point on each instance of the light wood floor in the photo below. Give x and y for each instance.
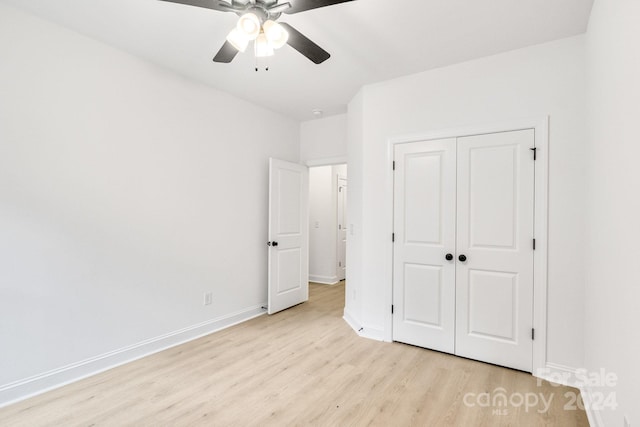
(303, 366)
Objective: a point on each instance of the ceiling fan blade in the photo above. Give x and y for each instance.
(302, 5)
(302, 44)
(279, 8)
(226, 53)
(207, 4)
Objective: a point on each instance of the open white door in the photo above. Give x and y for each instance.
(288, 235)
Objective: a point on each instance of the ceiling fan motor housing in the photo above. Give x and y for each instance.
(261, 8)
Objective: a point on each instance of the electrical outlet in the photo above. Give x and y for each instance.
(208, 298)
(626, 421)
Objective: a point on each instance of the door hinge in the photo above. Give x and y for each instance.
(391, 308)
(393, 165)
(533, 334)
(339, 263)
(534, 244)
(535, 152)
(393, 237)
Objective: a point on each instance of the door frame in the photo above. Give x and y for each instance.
(540, 125)
(331, 161)
(338, 231)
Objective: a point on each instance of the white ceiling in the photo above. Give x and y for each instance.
(369, 40)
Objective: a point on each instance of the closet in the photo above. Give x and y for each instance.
(463, 246)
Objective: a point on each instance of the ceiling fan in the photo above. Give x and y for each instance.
(257, 23)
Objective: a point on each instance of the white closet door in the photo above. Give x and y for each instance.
(494, 285)
(424, 227)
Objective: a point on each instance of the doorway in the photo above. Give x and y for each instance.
(327, 223)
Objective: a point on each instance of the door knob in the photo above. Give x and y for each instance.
(448, 257)
(272, 243)
(462, 258)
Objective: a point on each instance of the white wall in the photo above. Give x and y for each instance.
(324, 139)
(612, 337)
(534, 82)
(126, 192)
(355, 155)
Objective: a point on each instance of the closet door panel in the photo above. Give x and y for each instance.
(494, 284)
(424, 227)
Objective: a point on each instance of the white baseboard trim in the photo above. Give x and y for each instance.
(351, 321)
(325, 280)
(372, 333)
(363, 331)
(559, 374)
(573, 377)
(41, 383)
(593, 415)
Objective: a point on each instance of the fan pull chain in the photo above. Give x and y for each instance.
(266, 67)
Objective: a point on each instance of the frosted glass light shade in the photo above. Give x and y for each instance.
(262, 46)
(275, 33)
(238, 40)
(249, 25)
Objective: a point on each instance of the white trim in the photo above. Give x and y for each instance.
(541, 232)
(351, 321)
(376, 334)
(325, 280)
(388, 295)
(593, 415)
(573, 377)
(558, 374)
(541, 129)
(41, 383)
(471, 130)
(327, 161)
(336, 190)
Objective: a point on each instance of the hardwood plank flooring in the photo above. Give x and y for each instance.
(303, 366)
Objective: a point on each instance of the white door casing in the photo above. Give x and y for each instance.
(489, 198)
(342, 228)
(288, 235)
(494, 286)
(424, 227)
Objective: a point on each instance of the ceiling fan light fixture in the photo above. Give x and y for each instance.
(262, 46)
(249, 25)
(275, 34)
(238, 39)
